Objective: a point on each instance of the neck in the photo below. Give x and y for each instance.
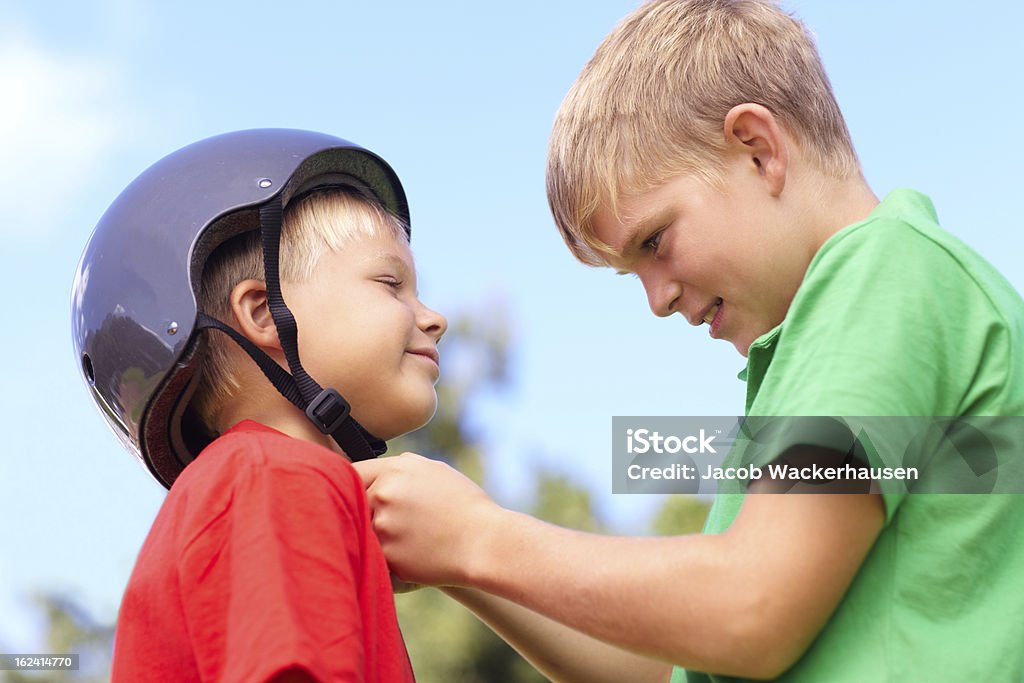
(276, 412)
(835, 204)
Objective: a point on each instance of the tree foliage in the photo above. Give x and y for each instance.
(70, 629)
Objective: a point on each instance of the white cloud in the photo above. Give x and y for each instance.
(58, 116)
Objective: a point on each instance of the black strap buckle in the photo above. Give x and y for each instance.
(328, 411)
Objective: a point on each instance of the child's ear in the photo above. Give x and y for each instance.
(752, 131)
(252, 313)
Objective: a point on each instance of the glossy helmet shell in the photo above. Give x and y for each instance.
(133, 302)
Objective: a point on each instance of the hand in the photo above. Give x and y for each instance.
(430, 519)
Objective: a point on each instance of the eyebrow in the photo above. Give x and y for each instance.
(631, 240)
(639, 227)
(394, 259)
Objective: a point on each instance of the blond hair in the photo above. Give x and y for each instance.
(651, 103)
(321, 221)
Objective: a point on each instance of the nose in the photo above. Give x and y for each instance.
(431, 322)
(662, 294)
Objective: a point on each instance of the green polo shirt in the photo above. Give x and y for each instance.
(896, 317)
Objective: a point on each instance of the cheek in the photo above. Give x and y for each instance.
(379, 332)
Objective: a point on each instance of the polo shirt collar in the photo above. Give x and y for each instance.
(759, 357)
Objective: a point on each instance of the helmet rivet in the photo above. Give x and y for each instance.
(172, 328)
(90, 374)
(264, 182)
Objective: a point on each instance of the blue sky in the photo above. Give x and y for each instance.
(459, 97)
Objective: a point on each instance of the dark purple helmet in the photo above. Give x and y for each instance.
(134, 318)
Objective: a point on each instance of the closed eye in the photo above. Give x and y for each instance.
(392, 282)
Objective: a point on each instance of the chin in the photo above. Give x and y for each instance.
(401, 418)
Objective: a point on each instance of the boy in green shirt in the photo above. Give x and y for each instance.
(702, 150)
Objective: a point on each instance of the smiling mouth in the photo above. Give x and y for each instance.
(709, 317)
(429, 355)
(714, 318)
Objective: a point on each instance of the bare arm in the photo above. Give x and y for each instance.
(559, 652)
(747, 602)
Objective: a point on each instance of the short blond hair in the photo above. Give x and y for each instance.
(322, 221)
(650, 105)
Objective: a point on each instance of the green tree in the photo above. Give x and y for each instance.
(680, 515)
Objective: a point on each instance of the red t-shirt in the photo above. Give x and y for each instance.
(262, 558)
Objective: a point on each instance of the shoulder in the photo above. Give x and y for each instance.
(904, 264)
(897, 306)
(265, 462)
(892, 247)
(902, 261)
(902, 250)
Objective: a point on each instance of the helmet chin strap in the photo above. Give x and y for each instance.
(325, 408)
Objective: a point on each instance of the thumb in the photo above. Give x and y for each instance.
(369, 470)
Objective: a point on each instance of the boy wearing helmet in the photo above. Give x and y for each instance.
(261, 564)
